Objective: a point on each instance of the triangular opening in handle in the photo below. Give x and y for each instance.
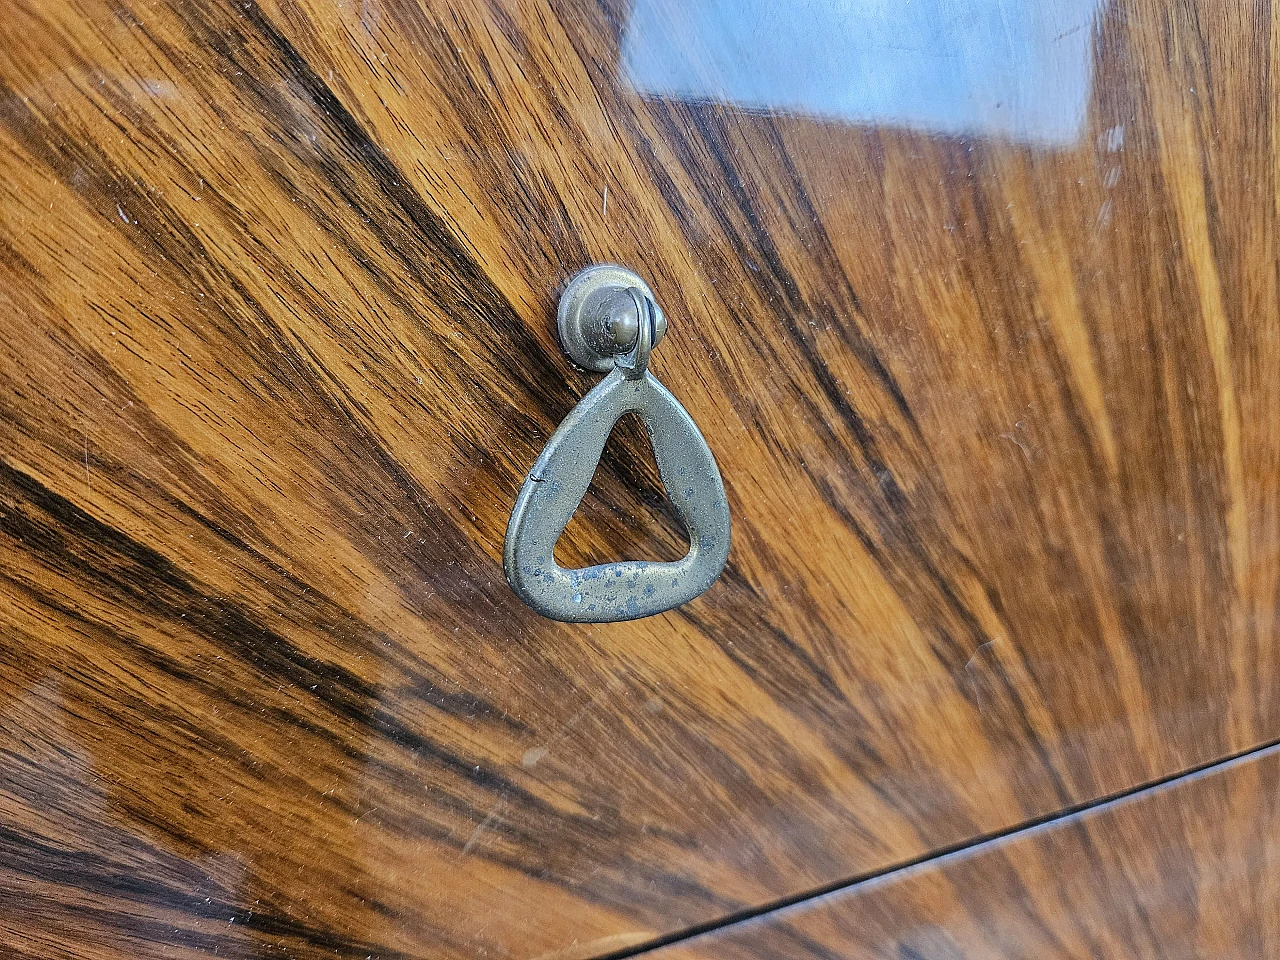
(626, 512)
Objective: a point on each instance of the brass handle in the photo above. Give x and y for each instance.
(608, 320)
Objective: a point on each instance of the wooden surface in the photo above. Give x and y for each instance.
(1186, 870)
(996, 421)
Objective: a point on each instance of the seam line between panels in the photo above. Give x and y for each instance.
(963, 848)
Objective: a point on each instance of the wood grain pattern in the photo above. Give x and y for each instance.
(996, 422)
(1188, 869)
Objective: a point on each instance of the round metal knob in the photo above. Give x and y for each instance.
(598, 319)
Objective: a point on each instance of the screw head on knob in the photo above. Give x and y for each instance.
(599, 320)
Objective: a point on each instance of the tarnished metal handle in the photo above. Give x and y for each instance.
(608, 319)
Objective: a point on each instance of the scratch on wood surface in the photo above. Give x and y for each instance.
(494, 817)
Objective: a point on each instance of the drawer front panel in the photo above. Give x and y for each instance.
(993, 403)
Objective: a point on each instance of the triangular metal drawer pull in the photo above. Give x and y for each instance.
(628, 589)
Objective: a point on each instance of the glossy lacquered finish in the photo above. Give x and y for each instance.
(988, 370)
(1186, 870)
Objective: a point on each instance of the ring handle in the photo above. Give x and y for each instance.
(602, 320)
